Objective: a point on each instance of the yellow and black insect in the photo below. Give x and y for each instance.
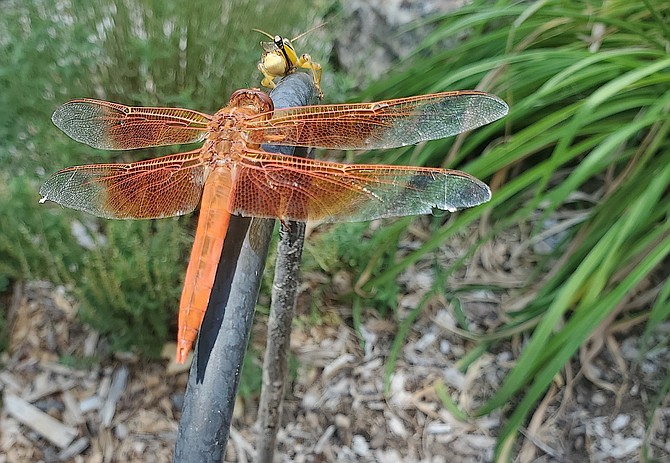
(279, 58)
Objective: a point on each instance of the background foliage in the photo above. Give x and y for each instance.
(586, 144)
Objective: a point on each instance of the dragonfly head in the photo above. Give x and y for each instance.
(254, 99)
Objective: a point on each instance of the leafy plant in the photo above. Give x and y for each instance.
(33, 244)
(129, 295)
(352, 247)
(589, 90)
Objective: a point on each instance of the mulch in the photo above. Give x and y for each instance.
(339, 406)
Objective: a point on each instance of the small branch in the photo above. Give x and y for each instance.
(275, 364)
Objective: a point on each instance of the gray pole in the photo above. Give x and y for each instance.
(214, 377)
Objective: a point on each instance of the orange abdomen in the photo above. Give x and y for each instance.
(205, 255)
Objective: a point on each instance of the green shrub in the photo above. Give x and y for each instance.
(129, 287)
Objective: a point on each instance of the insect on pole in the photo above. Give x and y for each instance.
(231, 174)
(214, 377)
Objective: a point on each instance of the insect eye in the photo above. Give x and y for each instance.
(279, 42)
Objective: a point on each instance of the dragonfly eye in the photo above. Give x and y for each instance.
(255, 99)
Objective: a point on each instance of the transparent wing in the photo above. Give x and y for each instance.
(268, 185)
(383, 124)
(113, 126)
(161, 187)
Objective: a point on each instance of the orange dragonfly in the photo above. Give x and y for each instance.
(231, 174)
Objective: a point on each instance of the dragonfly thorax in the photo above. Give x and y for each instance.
(226, 137)
(223, 139)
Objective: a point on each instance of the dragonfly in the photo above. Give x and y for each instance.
(279, 59)
(231, 174)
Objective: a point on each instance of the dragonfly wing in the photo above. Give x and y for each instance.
(113, 126)
(267, 185)
(383, 124)
(161, 187)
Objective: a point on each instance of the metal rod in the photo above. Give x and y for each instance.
(215, 373)
(275, 363)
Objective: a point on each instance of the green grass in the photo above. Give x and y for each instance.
(592, 121)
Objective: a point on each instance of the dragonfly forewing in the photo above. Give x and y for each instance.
(113, 126)
(383, 124)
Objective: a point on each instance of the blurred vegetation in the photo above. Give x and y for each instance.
(127, 275)
(586, 143)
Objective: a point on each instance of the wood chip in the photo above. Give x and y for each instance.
(10, 381)
(174, 368)
(49, 389)
(323, 440)
(93, 402)
(75, 449)
(116, 389)
(91, 343)
(72, 408)
(60, 369)
(50, 428)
